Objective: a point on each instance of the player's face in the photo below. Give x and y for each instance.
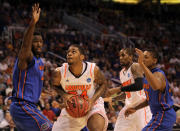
(73, 55)
(37, 44)
(149, 60)
(125, 59)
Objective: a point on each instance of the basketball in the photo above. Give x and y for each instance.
(78, 106)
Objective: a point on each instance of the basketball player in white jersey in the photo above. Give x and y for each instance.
(80, 78)
(131, 77)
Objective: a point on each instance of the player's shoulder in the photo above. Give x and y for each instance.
(60, 68)
(121, 71)
(134, 65)
(90, 63)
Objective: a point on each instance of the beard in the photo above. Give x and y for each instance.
(124, 64)
(35, 52)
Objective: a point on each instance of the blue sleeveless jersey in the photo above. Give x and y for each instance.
(158, 101)
(27, 84)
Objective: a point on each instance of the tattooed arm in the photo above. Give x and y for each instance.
(56, 79)
(101, 83)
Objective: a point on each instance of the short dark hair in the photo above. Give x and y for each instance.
(129, 51)
(81, 50)
(153, 53)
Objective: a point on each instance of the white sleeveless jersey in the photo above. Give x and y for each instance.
(126, 78)
(83, 85)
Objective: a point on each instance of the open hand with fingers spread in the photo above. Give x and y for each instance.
(35, 12)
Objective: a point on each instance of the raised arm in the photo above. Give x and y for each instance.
(25, 54)
(156, 80)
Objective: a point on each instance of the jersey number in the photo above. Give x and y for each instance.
(128, 94)
(83, 94)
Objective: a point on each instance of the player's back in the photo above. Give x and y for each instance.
(27, 84)
(126, 78)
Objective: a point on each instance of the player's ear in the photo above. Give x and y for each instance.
(82, 57)
(154, 60)
(131, 57)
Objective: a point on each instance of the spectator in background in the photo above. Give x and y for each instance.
(55, 108)
(49, 113)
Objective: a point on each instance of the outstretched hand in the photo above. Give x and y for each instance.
(36, 12)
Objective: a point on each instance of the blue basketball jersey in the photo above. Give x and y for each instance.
(158, 101)
(27, 84)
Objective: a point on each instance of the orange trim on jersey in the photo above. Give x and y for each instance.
(153, 121)
(65, 70)
(159, 122)
(19, 83)
(41, 68)
(160, 100)
(165, 100)
(30, 114)
(24, 83)
(145, 115)
(91, 70)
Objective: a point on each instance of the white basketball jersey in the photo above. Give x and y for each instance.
(82, 85)
(126, 78)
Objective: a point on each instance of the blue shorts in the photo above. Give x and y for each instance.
(161, 121)
(28, 118)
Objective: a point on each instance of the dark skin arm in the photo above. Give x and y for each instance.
(156, 80)
(132, 110)
(56, 78)
(101, 83)
(25, 54)
(137, 73)
(120, 97)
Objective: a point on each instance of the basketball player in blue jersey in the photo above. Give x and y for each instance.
(28, 81)
(158, 94)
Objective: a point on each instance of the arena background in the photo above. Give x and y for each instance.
(102, 28)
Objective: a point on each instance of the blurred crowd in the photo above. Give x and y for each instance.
(145, 33)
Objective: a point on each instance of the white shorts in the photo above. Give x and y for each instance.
(67, 123)
(134, 122)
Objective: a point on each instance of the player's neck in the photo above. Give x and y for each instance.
(37, 56)
(128, 65)
(76, 68)
(152, 67)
